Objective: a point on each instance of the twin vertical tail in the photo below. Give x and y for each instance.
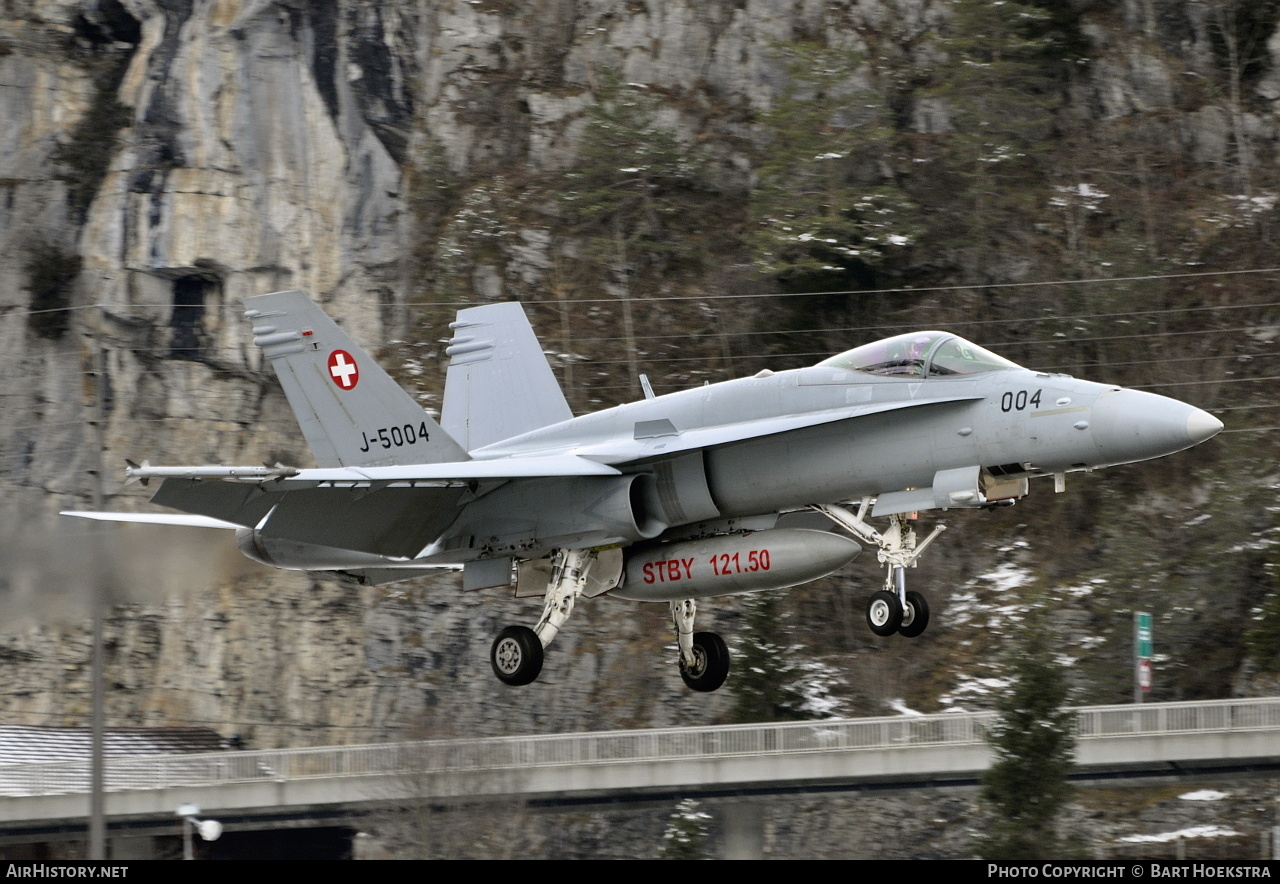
(499, 382)
(351, 412)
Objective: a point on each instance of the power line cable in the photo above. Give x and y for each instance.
(744, 296)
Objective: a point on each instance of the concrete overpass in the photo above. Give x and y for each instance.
(333, 785)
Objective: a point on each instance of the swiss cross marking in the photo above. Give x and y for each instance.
(343, 369)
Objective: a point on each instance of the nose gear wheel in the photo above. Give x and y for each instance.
(884, 613)
(915, 615)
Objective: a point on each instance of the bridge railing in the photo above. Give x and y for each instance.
(615, 747)
(1170, 718)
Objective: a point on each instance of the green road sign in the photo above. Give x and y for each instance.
(1142, 623)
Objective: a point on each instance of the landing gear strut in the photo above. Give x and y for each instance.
(894, 608)
(704, 657)
(516, 655)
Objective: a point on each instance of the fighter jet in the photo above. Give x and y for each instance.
(758, 483)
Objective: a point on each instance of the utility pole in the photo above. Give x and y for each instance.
(97, 724)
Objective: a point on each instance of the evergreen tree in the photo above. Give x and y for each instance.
(627, 190)
(768, 683)
(85, 156)
(51, 273)
(631, 196)
(998, 84)
(1026, 787)
(1261, 567)
(686, 834)
(826, 205)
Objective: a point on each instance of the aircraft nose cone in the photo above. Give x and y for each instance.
(1131, 425)
(1201, 426)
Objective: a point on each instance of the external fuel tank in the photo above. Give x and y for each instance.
(732, 563)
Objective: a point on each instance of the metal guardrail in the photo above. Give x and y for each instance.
(616, 747)
(1220, 716)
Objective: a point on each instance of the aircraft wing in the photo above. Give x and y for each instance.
(515, 467)
(659, 441)
(388, 511)
(397, 510)
(386, 520)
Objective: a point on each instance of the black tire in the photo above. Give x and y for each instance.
(516, 655)
(915, 616)
(884, 613)
(711, 666)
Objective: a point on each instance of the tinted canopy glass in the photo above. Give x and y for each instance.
(920, 354)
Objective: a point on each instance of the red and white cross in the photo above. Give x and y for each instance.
(343, 369)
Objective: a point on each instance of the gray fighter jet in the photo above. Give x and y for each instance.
(746, 485)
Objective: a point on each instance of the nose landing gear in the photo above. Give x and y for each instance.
(894, 608)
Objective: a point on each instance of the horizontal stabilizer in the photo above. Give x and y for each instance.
(384, 576)
(236, 502)
(397, 522)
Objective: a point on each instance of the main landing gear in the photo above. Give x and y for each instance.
(704, 657)
(516, 655)
(894, 608)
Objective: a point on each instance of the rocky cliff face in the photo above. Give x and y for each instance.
(160, 160)
(163, 160)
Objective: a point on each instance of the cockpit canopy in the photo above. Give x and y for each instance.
(919, 355)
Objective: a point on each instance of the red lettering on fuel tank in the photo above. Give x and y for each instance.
(668, 570)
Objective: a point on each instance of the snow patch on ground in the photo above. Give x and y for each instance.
(1005, 577)
(1193, 832)
(1204, 795)
(1077, 592)
(966, 606)
(817, 685)
(899, 706)
(970, 688)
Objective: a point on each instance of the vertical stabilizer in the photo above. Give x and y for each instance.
(350, 410)
(499, 382)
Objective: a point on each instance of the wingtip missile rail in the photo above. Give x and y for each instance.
(145, 472)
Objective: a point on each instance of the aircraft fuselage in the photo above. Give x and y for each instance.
(1010, 423)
